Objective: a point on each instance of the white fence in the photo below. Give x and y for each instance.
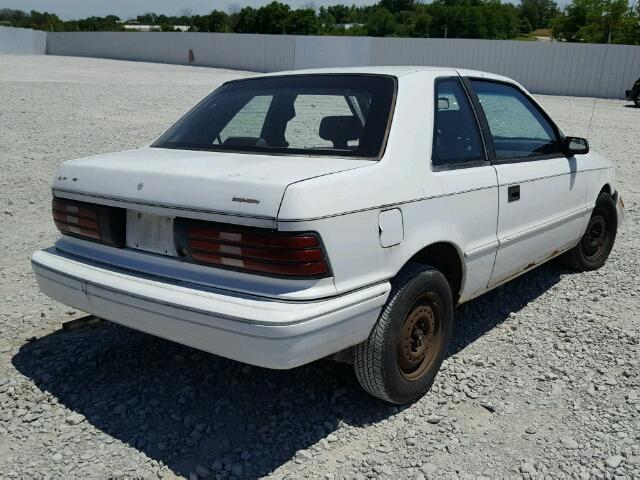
(22, 41)
(543, 67)
(553, 68)
(260, 53)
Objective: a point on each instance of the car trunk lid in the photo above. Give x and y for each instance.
(229, 187)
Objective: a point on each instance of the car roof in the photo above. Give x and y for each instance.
(394, 71)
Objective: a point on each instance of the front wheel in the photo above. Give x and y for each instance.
(636, 100)
(596, 243)
(400, 359)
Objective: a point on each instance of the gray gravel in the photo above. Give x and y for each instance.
(542, 378)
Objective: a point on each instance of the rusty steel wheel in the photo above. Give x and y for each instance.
(595, 245)
(401, 358)
(419, 342)
(596, 238)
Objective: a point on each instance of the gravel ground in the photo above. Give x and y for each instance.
(542, 378)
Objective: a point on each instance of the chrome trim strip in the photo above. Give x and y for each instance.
(385, 206)
(514, 237)
(508, 239)
(528, 180)
(56, 191)
(204, 214)
(481, 250)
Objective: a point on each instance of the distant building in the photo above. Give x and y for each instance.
(135, 26)
(348, 26)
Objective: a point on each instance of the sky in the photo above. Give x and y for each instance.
(73, 9)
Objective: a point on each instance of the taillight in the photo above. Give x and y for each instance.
(263, 252)
(93, 222)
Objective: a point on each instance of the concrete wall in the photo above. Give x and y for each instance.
(22, 41)
(543, 67)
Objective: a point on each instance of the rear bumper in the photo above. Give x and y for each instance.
(254, 330)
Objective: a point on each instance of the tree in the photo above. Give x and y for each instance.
(302, 22)
(339, 12)
(422, 25)
(148, 18)
(45, 21)
(538, 12)
(582, 21)
(326, 20)
(99, 24)
(381, 24)
(594, 21)
(395, 6)
(216, 21)
(245, 21)
(272, 18)
(525, 26)
(629, 30)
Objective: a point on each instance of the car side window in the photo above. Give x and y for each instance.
(518, 127)
(456, 136)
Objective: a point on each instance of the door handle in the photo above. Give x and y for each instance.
(513, 193)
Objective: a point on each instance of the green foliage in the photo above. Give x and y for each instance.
(582, 20)
(538, 13)
(37, 20)
(108, 23)
(525, 26)
(472, 19)
(598, 21)
(302, 22)
(216, 21)
(272, 18)
(381, 24)
(422, 25)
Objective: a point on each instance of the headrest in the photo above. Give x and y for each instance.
(340, 129)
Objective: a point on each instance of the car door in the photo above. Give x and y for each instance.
(461, 166)
(541, 191)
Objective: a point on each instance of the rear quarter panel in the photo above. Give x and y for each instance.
(458, 207)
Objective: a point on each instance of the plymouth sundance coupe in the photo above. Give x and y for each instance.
(341, 212)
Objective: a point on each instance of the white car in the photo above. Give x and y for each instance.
(293, 216)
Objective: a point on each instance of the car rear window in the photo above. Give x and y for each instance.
(336, 115)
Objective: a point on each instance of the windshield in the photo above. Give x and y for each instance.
(337, 115)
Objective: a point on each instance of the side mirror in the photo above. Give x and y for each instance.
(443, 103)
(575, 146)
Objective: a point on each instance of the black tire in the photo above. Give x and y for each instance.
(598, 239)
(388, 364)
(636, 100)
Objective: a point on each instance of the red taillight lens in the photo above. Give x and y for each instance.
(270, 253)
(75, 219)
(89, 221)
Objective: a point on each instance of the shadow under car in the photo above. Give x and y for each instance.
(188, 408)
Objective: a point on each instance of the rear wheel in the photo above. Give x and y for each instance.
(636, 100)
(400, 359)
(596, 243)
